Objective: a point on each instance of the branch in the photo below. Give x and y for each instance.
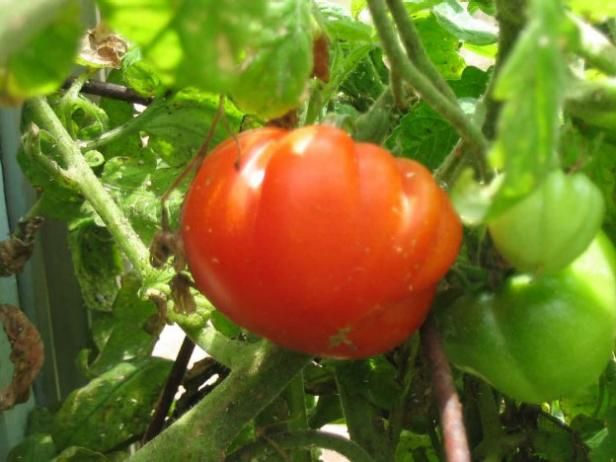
(171, 387)
(450, 408)
(91, 187)
(110, 90)
(307, 439)
(205, 432)
(415, 49)
(594, 47)
(441, 104)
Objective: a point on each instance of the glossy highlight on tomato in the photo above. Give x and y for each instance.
(316, 242)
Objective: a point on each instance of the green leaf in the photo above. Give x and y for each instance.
(357, 6)
(112, 408)
(457, 21)
(77, 454)
(441, 46)
(139, 75)
(528, 126)
(487, 6)
(424, 135)
(38, 53)
(414, 447)
(275, 72)
(177, 126)
(340, 26)
(415, 6)
(137, 184)
(97, 262)
(599, 10)
(120, 335)
(190, 43)
(603, 447)
(34, 448)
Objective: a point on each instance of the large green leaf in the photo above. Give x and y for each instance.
(424, 135)
(276, 69)
(177, 126)
(200, 43)
(121, 335)
(112, 408)
(37, 56)
(97, 262)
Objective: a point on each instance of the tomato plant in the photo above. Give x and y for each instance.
(539, 338)
(547, 230)
(316, 242)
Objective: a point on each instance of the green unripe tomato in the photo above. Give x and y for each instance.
(539, 338)
(547, 230)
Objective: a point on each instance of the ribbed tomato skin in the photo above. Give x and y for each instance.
(318, 243)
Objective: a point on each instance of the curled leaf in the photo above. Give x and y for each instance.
(16, 251)
(27, 355)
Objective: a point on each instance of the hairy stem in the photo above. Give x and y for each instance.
(306, 439)
(449, 110)
(91, 187)
(205, 432)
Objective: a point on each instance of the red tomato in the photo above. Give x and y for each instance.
(318, 243)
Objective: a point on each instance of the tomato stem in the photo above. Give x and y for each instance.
(450, 110)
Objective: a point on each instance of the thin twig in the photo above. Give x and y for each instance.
(171, 387)
(110, 90)
(450, 408)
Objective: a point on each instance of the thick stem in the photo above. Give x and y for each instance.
(450, 408)
(415, 49)
(307, 439)
(593, 101)
(91, 187)
(449, 110)
(205, 432)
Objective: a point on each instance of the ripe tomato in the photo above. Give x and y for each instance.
(318, 243)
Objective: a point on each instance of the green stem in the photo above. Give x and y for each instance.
(415, 49)
(205, 432)
(298, 419)
(91, 187)
(365, 425)
(449, 110)
(594, 47)
(313, 438)
(224, 350)
(131, 126)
